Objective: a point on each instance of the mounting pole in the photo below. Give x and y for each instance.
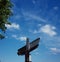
(27, 55)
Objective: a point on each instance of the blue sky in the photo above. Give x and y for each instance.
(33, 19)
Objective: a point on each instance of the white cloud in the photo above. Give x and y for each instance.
(55, 50)
(23, 38)
(13, 26)
(48, 29)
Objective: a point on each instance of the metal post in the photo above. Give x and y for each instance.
(27, 56)
(27, 51)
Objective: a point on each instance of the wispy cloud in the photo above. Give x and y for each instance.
(13, 26)
(37, 53)
(55, 50)
(29, 16)
(21, 38)
(49, 41)
(55, 7)
(15, 36)
(33, 1)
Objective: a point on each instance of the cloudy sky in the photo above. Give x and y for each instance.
(33, 19)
